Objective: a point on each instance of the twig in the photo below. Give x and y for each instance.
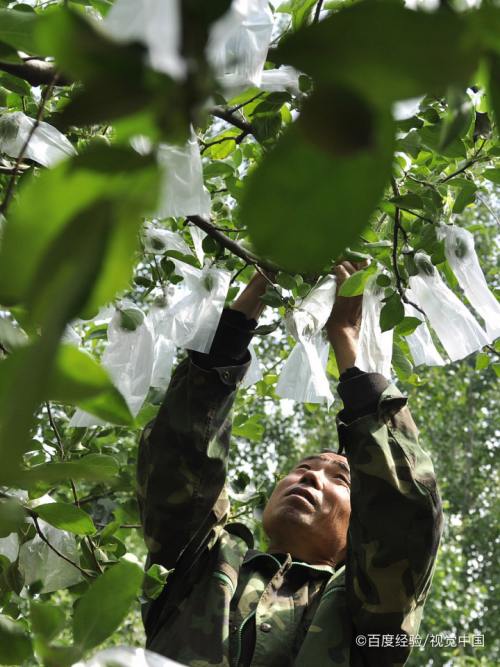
(317, 12)
(53, 548)
(39, 115)
(395, 245)
(475, 158)
(231, 245)
(243, 104)
(238, 273)
(417, 215)
(88, 539)
(238, 139)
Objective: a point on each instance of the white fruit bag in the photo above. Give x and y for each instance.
(458, 331)
(303, 376)
(128, 358)
(127, 656)
(462, 257)
(159, 241)
(155, 23)
(375, 347)
(254, 372)
(47, 145)
(164, 350)
(182, 191)
(285, 78)
(193, 319)
(239, 41)
(37, 562)
(420, 342)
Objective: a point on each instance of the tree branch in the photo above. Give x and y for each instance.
(395, 244)
(34, 71)
(233, 119)
(317, 12)
(231, 245)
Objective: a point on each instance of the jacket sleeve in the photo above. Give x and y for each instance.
(182, 460)
(395, 525)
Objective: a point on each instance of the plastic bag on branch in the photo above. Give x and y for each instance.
(155, 23)
(239, 41)
(38, 562)
(126, 656)
(303, 377)
(420, 342)
(462, 257)
(47, 146)
(285, 78)
(375, 347)
(183, 191)
(254, 372)
(458, 331)
(159, 241)
(9, 547)
(191, 322)
(164, 351)
(128, 358)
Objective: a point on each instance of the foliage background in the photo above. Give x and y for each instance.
(445, 169)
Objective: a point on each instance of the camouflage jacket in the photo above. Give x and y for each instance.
(227, 604)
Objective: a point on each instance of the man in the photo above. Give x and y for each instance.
(353, 538)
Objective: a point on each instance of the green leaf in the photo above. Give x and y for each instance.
(299, 9)
(392, 312)
(458, 119)
(286, 281)
(15, 84)
(92, 468)
(400, 363)
(482, 361)
(387, 62)
(492, 175)
(15, 643)
(410, 200)
(466, 196)
(106, 603)
(47, 620)
(66, 517)
(297, 216)
(18, 29)
(120, 195)
(407, 326)
(216, 169)
(154, 581)
(131, 318)
(251, 429)
(356, 283)
(272, 297)
(12, 516)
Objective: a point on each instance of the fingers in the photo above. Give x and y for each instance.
(345, 269)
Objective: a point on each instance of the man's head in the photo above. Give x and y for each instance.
(308, 512)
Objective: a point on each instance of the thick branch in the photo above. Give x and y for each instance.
(233, 119)
(231, 245)
(36, 72)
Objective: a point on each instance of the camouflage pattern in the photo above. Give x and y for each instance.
(229, 605)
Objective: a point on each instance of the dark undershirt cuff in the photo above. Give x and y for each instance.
(360, 393)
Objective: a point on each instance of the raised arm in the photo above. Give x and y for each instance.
(182, 460)
(396, 516)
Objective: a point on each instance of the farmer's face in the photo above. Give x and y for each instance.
(308, 511)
